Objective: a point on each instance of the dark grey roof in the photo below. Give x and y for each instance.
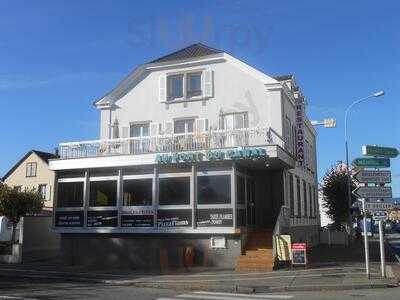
(283, 77)
(45, 156)
(195, 50)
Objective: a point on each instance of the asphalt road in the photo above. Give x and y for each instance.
(27, 289)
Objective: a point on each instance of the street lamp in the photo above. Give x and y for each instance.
(374, 95)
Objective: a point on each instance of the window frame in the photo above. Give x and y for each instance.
(186, 125)
(188, 84)
(29, 168)
(98, 179)
(137, 177)
(46, 198)
(71, 180)
(174, 175)
(214, 173)
(185, 85)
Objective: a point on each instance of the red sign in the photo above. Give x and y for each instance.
(300, 130)
(299, 246)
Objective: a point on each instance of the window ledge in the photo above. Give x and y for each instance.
(191, 99)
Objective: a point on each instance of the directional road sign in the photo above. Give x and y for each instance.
(373, 192)
(379, 151)
(372, 162)
(370, 176)
(380, 216)
(378, 206)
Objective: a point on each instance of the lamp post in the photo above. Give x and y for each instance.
(374, 95)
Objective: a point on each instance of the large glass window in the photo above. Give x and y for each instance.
(138, 192)
(103, 193)
(175, 86)
(214, 189)
(70, 194)
(174, 191)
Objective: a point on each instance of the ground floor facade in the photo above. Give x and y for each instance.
(147, 215)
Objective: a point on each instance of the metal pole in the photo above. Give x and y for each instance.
(349, 188)
(365, 238)
(382, 248)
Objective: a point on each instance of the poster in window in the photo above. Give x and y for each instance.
(215, 217)
(172, 218)
(137, 221)
(102, 218)
(69, 218)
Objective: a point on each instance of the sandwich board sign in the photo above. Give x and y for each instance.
(371, 162)
(369, 150)
(299, 254)
(372, 176)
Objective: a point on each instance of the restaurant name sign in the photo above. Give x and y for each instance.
(300, 130)
(211, 155)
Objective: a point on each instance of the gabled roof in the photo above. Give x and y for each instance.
(195, 50)
(45, 156)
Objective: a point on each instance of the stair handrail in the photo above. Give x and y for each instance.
(282, 221)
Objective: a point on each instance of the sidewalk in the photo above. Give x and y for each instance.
(319, 278)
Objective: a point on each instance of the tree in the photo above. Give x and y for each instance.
(15, 204)
(335, 194)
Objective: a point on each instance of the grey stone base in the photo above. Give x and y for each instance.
(308, 234)
(146, 252)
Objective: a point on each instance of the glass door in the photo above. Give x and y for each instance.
(233, 125)
(251, 205)
(141, 133)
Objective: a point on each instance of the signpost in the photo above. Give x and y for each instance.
(380, 159)
(373, 192)
(379, 206)
(390, 152)
(372, 176)
(372, 162)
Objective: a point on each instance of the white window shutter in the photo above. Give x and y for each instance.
(125, 132)
(208, 83)
(168, 127)
(162, 88)
(154, 129)
(201, 125)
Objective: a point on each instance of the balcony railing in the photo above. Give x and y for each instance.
(213, 139)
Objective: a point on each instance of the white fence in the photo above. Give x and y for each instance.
(213, 139)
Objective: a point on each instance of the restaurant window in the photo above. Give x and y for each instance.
(193, 83)
(291, 194)
(298, 197)
(31, 169)
(103, 193)
(305, 199)
(138, 192)
(70, 194)
(214, 189)
(174, 191)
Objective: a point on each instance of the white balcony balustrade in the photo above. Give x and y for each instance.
(213, 139)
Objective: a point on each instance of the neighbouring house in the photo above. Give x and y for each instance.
(32, 172)
(197, 151)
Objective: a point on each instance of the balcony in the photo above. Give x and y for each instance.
(196, 141)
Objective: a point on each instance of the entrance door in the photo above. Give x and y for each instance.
(251, 205)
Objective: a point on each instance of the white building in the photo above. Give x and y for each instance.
(198, 149)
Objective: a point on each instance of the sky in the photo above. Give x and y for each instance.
(57, 57)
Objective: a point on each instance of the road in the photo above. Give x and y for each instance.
(28, 289)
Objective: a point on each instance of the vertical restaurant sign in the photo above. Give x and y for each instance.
(300, 130)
